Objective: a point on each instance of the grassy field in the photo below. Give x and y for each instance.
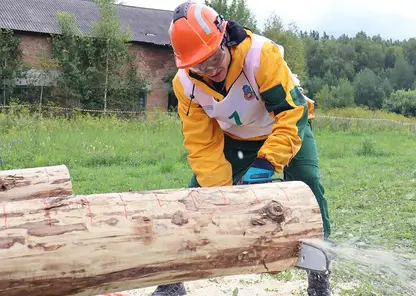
(368, 170)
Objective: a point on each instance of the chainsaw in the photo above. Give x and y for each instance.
(315, 255)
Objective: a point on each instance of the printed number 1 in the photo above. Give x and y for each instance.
(236, 118)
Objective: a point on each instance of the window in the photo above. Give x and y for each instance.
(172, 102)
(141, 102)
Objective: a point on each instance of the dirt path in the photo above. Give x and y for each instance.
(288, 283)
(244, 285)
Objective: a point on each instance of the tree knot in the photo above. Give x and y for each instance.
(179, 218)
(275, 212)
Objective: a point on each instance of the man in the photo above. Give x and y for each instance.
(242, 112)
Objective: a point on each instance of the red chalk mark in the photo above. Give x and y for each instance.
(47, 212)
(198, 192)
(5, 216)
(225, 199)
(193, 199)
(89, 208)
(157, 198)
(257, 199)
(287, 197)
(124, 203)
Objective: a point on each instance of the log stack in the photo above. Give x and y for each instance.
(102, 243)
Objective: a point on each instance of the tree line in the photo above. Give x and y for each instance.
(97, 71)
(346, 71)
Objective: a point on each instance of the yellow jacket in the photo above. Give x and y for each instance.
(287, 108)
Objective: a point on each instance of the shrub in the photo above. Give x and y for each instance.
(402, 102)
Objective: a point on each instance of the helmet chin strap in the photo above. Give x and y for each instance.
(228, 40)
(219, 22)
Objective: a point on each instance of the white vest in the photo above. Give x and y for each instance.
(241, 112)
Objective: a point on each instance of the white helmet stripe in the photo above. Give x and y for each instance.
(201, 22)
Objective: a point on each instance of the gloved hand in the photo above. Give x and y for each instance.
(261, 171)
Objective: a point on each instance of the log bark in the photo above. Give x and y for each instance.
(29, 183)
(101, 243)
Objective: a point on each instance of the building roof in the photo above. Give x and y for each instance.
(146, 24)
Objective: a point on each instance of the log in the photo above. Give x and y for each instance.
(102, 243)
(29, 183)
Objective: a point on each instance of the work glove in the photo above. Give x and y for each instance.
(261, 171)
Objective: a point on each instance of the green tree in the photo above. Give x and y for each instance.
(339, 60)
(11, 61)
(410, 51)
(322, 96)
(387, 87)
(39, 81)
(97, 68)
(402, 75)
(391, 54)
(315, 55)
(236, 10)
(341, 96)
(330, 78)
(402, 102)
(221, 6)
(130, 88)
(375, 66)
(368, 89)
(313, 85)
(111, 43)
(69, 48)
(290, 40)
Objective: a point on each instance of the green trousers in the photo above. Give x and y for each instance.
(303, 167)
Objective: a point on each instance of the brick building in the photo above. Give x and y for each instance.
(34, 20)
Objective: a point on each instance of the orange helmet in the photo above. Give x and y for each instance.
(196, 32)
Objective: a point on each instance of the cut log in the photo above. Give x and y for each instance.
(102, 243)
(29, 183)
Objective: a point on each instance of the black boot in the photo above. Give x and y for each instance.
(177, 289)
(318, 284)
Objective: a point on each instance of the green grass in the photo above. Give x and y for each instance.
(368, 171)
(359, 112)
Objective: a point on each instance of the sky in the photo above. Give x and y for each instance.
(394, 19)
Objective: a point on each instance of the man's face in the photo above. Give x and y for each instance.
(215, 67)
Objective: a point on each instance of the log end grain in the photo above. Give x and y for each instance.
(32, 183)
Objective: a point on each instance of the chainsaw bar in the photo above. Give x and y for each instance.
(314, 257)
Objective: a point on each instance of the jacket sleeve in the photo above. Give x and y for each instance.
(285, 103)
(204, 140)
